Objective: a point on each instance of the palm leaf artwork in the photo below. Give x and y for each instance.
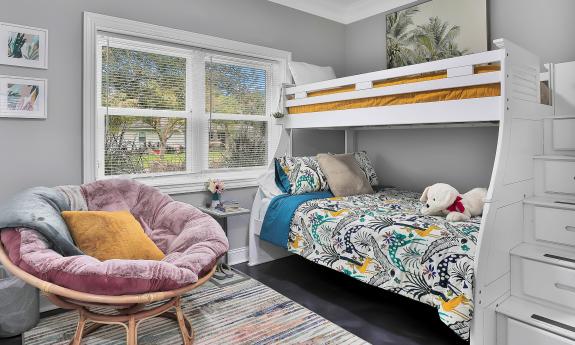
(15, 45)
(436, 40)
(363, 240)
(462, 272)
(329, 255)
(325, 233)
(33, 52)
(380, 223)
(417, 286)
(438, 246)
(411, 257)
(308, 206)
(399, 52)
(408, 43)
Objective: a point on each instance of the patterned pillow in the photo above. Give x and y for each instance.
(304, 174)
(365, 164)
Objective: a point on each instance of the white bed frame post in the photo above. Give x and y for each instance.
(520, 138)
(350, 141)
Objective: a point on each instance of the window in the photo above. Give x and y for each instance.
(143, 109)
(237, 96)
(172, 108)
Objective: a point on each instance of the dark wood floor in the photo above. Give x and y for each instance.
(372, 314)
(375, 315)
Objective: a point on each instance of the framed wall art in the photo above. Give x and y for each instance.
(23, 46)
(434, 30)
(23, 97)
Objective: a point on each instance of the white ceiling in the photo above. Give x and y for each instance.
(344, 11)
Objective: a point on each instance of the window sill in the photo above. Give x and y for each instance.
(184, 184)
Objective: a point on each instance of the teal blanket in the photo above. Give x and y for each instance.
(40, 209)
(277, 221)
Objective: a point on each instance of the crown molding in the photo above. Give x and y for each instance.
(345, 14)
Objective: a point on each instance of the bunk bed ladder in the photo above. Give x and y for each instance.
(541, 305)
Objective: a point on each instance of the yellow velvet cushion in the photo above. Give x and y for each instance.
(111, 235)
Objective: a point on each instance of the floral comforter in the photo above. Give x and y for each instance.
(382, 239)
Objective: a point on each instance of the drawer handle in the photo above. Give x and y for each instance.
(570, 228)
(553, 322)
(557, 257)
(565, 287)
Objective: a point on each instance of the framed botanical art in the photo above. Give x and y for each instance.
(23, 97)
(23, 46)
(434, 30)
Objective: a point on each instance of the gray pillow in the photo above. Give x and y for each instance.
(344, 175)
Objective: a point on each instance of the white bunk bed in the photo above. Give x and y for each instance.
(518, 113)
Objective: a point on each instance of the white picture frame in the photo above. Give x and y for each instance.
(32, 51)
(25, 98)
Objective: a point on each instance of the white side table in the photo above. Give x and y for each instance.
(222, 219)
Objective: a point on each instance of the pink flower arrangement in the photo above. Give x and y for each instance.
(216, 186)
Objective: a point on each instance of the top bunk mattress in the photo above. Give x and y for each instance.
(476, 91)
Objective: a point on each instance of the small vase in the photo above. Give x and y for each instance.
(215, 200)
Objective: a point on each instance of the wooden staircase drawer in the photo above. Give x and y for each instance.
(563, 134)
(555, 225)
(560, 177)
(552, 283)
(519, 333)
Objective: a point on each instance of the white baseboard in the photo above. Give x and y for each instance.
(238, 255)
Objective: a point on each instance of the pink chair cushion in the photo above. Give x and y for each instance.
(191, 240)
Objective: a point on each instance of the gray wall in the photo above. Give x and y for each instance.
(365, 46)
(543, 27)
(415, 158)
(50, 152)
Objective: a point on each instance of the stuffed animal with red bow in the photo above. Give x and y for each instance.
(443, 199)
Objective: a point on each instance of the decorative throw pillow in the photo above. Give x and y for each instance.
(111, 235)
(344, 175)
(365, 164)
(282, 179)
(304, 174)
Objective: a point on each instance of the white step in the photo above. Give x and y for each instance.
(544, 254)
(539, 316)
(550, 220)
(544, 275)
(555, 175)
(559, 202)
(560, 135)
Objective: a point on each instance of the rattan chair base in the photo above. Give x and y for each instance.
(127, 316)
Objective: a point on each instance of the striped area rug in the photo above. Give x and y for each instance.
(244, 313)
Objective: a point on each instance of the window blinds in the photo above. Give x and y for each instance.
(237, 103)
(143, 100)
(166, 110)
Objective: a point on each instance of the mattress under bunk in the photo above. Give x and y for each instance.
(459, 93)
(382, 239)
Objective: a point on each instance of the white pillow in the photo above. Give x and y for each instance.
(305, 73)
(267, 183)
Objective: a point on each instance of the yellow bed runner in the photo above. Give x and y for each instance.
(478, 91)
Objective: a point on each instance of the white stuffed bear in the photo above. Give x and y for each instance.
(443, 199)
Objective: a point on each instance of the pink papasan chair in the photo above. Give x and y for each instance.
(191, 240)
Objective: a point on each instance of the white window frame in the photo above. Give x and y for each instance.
(270, 106)
(174, 183)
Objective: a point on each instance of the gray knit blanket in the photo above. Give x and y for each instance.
(40, 209)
